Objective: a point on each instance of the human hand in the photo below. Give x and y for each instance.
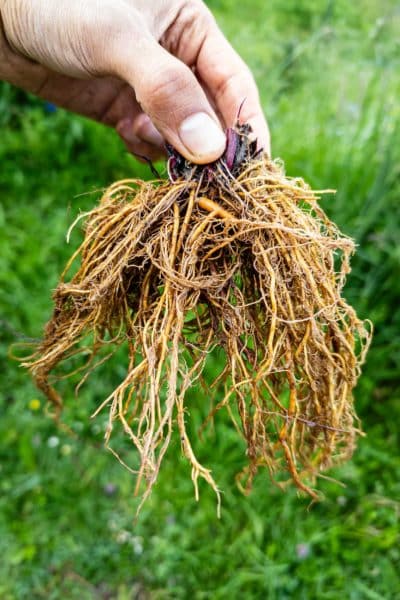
(154, 69)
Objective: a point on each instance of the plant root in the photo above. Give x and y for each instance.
(237, 256)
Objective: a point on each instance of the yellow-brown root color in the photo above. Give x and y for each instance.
(250, 264)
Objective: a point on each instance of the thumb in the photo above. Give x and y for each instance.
(172, 97)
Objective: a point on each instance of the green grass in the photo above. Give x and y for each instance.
(328, 75)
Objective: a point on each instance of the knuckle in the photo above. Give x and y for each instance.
(187, 30)
(198, 11)
(190, 10)
(139, 128)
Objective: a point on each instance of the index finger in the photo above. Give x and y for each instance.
(231, 83)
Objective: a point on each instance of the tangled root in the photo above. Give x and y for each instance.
(234, 255)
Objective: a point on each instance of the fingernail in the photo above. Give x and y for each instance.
(202, 137)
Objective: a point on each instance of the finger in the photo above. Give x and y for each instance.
(141, 131)
(144, 129)
(231, 83)
(172, 97)
(141, 149)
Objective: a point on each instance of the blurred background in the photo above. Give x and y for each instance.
(328, 72)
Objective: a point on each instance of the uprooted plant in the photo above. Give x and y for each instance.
(236, 255)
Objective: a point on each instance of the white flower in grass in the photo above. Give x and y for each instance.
(53, 441)
(137, 545)
(123, 536)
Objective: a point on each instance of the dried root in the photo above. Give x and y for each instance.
(234, 255)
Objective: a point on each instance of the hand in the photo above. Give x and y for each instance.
(154, 69)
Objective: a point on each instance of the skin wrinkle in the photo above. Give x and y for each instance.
(15, 66)
(34, 44)
(11, 58)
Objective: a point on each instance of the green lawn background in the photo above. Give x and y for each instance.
(328, 73)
